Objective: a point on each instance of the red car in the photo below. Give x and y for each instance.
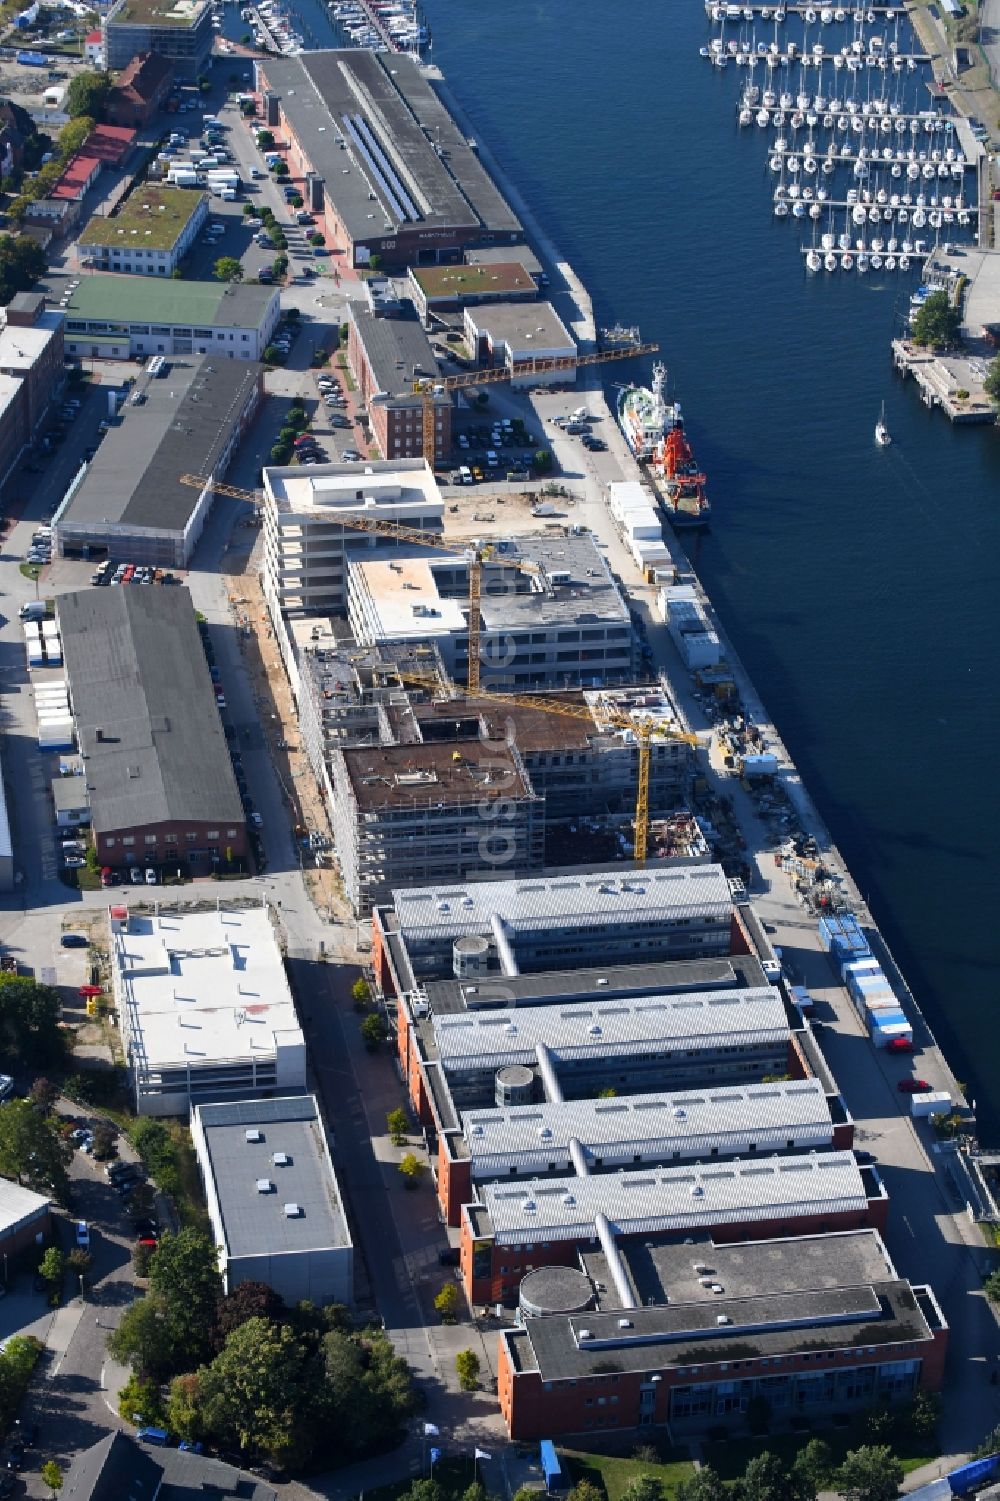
(899, 1045)
(106, 876)
(913, 1086)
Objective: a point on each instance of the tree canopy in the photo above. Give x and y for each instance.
(227, 268)
(143, 1339)
(261, 1391)
(991, 383)
(936, 323)
(249, 1300)
(705, 1484)
(88, 95)
(29, 1012)
(32, 1151)
(871, 1473)
(185, 1274)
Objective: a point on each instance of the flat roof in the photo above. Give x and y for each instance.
(106, 297)
(667, 1272)
(151, 218)
(557, 903)
(254, 1223)
(397, 352)
(387, 486)
(612, 1029)
(145, 711)
(409, 776)
(18, 1205)
(728, 1118)
(391, 121)
(534, 729)
(184, 426)
(157, 13)
(525, 327)
(496, 279)
(489, 255)
(203, 987)
(610, 981)
(660, 1200)
(21, 345)
(401, 596)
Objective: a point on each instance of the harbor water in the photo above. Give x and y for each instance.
(858, 584)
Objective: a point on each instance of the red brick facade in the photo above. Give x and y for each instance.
(159, 844)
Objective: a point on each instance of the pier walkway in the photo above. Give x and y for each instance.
(717, 12)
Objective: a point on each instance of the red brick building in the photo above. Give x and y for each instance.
(141, 90)
(389, 357)
(815, 1327)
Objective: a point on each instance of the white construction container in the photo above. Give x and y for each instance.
(56, 736)
(935, 1102)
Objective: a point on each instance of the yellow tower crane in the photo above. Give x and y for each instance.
(429, 389)
(476, 554)
(644, 730)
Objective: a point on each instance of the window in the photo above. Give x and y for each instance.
(212, 834)
(231, 833)
(128, 839)
(110, 843)
(190, 838)
(170, 838)
(150, 838)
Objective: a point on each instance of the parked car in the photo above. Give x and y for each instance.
(151, 876)
(73, 940)
(83, 1235)
(913, 1086)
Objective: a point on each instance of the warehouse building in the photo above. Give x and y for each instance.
(522, 338)
(688, 1336)
(120, 317)
(129, 504)
(551, 615)
(516, 1228)
(389, 357)
(555, 921)
(274, 1204)
(444, 289)
(179, 31)
(382, 160)
(606, 1135)
(306, 541)
(158, 773)
(150, 234)
(204, 1008)
(405, 815)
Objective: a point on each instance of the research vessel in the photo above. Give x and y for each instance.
(643, 415)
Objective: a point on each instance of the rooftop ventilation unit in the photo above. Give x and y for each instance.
(293, 1211)
(281, 1159)
(253, 1134)
(264, 1186)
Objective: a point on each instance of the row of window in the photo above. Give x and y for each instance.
(127, 840)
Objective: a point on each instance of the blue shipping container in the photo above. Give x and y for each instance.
(844, 926)
(32, 60)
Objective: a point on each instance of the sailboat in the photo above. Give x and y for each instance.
(883, 437)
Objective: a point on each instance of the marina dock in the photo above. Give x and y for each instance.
(953, 382)
(780, 13)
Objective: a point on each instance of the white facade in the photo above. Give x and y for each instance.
(689, 627)
(204, 1008)
(305, 538)
(133, 255)
(519, 333)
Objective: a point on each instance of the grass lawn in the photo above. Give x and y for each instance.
(30, 571)
(612, 1472)
(731, 1457)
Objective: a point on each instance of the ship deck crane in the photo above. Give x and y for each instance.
(429, 389)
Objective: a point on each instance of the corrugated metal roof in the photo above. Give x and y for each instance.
(609, 898)
(529, 1137)
(713, 1019)
(18, 1204)
(653, 1201)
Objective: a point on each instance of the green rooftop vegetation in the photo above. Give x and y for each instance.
(469, 281)
(159, 12)
(151, 219)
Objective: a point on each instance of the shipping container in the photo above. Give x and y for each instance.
(845, 929)
(934, 1102)
(57, 736)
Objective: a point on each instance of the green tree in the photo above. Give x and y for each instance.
(991, 1286)
(936, 323)
(921, 1416)
(185, 1274)
(475, 1492)
(265, 140)
(227, 268)
(585, 1490)
(53, 1267)
(52, 1476)
(273, 355)
(280, 169)
(105, 1142)
(543, 460)
(871, 1473)
(43, 1095)
(280, 265)
(373, 1031)
(398, 1123)
(139, 1401)
(813, 1467)
(467, 1367)
(411, 1169)
(143, 1339)
(705, 1484)
(88, 95)
(184, 1407)
(991, 381)
(29, 1012)
(643, 1488)
(361, 993)
(260, 1391)
(989, 1445)
(448, 1303)
(767, 1478)
(72, 136)
(32, 1151)
(142, 1258)
(423, 1490)
(79, 1261)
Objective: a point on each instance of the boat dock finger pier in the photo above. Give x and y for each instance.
(779, 13)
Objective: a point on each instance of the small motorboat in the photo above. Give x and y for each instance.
(883, 437)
